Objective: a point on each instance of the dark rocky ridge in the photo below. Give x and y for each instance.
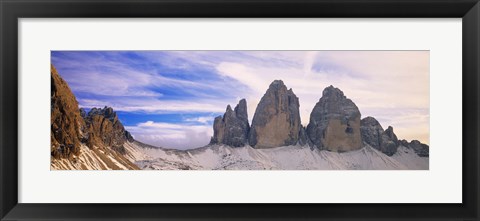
(105, 130)
(335, 122)
(386, 141)
(277, 118)
(374, 135)
(232, 129)
(420, 149)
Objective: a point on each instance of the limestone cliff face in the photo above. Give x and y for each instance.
(374, 135)
(335, 125)
(232, 129)
(66, 122)
(105, 130)
(73, 130)
(335, 122)
(277, 120)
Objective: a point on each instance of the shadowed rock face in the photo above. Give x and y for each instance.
(303, 138)
(374, 135)
(277, 120)
(335, 122)
(66, 122)
(420, 149)
(232, 129)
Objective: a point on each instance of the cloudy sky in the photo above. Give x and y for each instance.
(170, 98)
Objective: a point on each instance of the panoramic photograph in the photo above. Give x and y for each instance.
(240, 110)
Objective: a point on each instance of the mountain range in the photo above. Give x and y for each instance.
(336, 137)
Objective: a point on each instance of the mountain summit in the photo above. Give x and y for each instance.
(277, 118)
(335, 125)
(232, 129)
(335, 122)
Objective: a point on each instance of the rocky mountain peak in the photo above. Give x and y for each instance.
(386, 140)
(333, 92)
(370, 121)
(241, 110)
(277, 120)
(335, 122)
(277, 84)
(232, 129)
(374, 135)
(105, 130)
(106, 112)
(390, 134)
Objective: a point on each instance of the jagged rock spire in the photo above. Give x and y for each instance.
(277, 120)
(232, 129)
(374, 135)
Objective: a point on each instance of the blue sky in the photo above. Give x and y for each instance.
(170, 98)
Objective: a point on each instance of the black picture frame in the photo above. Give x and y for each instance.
(12, 10)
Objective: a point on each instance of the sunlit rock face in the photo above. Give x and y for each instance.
(105, 130)
(232, 129)
(72, 127)
(335, 122)
(65, 119)
(277, 119)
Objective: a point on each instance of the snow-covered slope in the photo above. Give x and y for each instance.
(102, 159)
(408, 157)
(220, 157)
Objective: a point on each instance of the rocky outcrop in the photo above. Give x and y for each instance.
(420, 149)
(277, 119)
(105, 130)
(129, 137)
(232, 129)
(74, 132)
(65, 119)
(373, 134)
(386, 141)
(335, 125)
(335, 122)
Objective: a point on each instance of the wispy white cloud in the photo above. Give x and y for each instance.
(202, 120)
(179, 136)
(156, 106)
